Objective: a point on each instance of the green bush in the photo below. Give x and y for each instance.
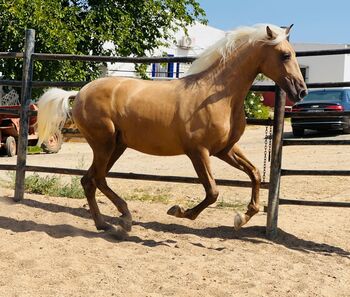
(254, 107)
(53, 186)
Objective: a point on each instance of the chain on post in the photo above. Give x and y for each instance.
(270, 143)
(267, 150)
(265, 155)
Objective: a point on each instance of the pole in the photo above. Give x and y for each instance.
(276, 160)
(27, 76)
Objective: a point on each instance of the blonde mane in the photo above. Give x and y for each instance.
(233, 40)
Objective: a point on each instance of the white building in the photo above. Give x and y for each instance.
(199, 38)
(319, 69)
(334, 68)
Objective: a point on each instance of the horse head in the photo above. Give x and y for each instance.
(280, 64)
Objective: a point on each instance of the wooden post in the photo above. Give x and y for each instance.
(276, 160)
(27, 76)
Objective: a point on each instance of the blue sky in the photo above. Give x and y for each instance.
(320, 21)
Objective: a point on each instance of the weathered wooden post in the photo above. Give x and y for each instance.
(27, 75)
(276, 160)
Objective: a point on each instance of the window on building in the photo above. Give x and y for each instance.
(305, 72)
(169, 70)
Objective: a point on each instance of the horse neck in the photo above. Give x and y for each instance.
(236, 75)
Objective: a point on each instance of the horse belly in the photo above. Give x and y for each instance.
(152, 140)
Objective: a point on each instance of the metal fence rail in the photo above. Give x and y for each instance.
(289, 142)
(137, 176)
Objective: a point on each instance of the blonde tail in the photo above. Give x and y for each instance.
(53, 110)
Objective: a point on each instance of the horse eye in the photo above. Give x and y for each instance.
(286, 56)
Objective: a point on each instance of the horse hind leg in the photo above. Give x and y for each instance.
(237, 159)
(120, 204)
(89, 185)
(106, 152)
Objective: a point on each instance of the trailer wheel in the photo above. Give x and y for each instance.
(54, 143)
(10, 146)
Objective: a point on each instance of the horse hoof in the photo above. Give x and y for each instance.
(118, 233)
(239, 221)
(126, 223)
(176, 211)
(104, 227)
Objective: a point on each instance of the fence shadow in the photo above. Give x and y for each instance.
(66, 230)
(81, 212)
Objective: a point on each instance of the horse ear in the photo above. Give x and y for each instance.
(288, 29)
(270, 34)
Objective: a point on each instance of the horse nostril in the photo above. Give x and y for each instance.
(303, 93)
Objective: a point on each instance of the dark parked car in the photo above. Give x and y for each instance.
(322, 110)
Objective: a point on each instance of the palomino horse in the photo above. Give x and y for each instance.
(200, 115)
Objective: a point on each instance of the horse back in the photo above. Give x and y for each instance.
(144, 112)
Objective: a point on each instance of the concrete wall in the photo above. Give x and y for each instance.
(347, 66)
(323, 68)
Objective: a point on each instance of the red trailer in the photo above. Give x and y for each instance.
(9, 130)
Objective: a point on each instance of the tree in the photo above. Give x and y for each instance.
(84, 26)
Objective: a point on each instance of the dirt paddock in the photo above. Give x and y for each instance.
(49, 246)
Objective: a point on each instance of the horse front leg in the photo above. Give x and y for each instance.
(201, 164)
(236, 158)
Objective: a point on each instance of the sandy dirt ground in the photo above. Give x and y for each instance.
(49, 245)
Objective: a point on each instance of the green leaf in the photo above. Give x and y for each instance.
(84, 26)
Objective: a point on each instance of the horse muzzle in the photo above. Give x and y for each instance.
(296, 90)
(302, 93)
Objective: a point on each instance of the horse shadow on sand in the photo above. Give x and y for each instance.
(254, 234)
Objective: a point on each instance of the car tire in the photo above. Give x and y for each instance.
(298, 132)
(347, 129)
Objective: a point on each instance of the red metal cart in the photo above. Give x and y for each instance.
(9, 130)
